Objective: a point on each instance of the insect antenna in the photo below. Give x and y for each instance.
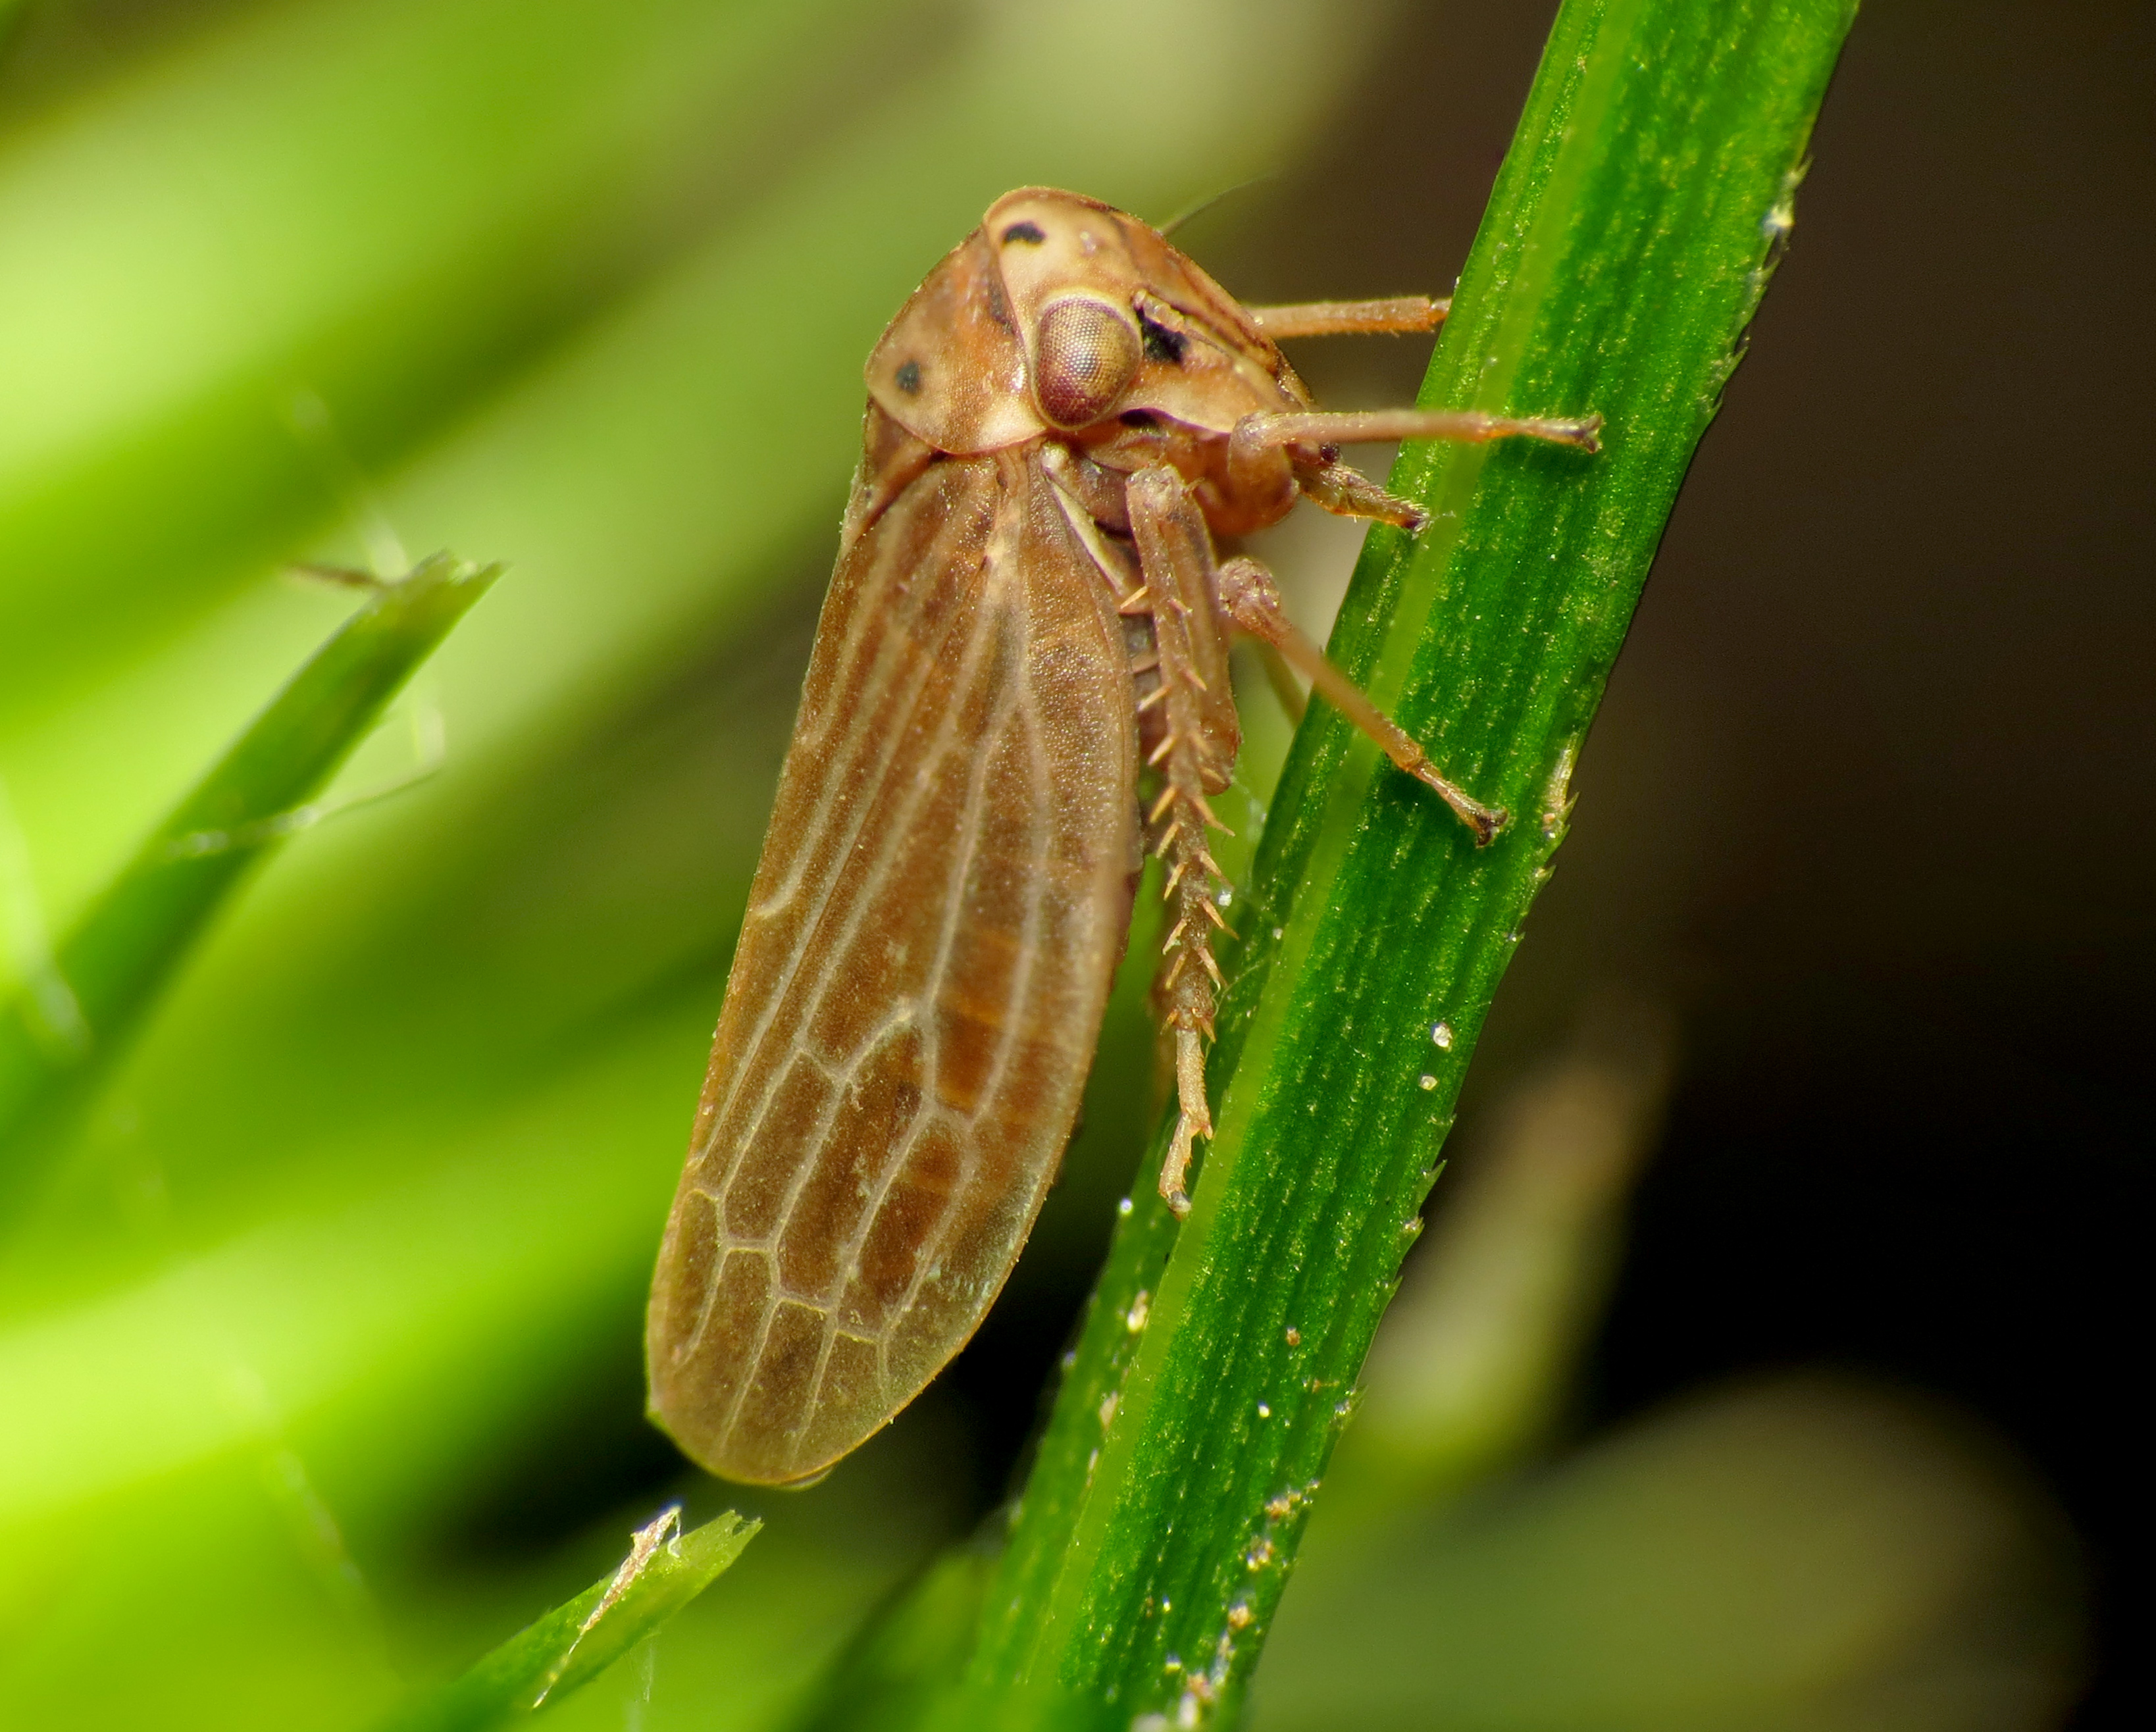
(1189, 213)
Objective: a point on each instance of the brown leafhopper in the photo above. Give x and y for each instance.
(1019, 686)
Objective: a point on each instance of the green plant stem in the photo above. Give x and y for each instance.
(60, 1032)
(1630, 237)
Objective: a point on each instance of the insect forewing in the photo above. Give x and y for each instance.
(942, 895)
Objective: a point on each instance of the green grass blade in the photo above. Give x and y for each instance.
(580, 1638)
(62, 1028)
(1630, 237)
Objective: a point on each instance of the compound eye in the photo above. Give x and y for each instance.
(1088, 354)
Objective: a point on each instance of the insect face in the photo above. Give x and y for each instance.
(1188, 362)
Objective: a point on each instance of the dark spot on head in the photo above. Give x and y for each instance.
(1030, 233)
(1162, 344)
(908, 377)
(1138, 417)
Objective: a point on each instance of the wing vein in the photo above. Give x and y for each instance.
(893, 658)
(860, 898)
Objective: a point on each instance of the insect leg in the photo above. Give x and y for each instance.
(1364, 427)
(1346, 491)
(1253, 602)
(1352, 317)
(1316, 435)
(1195, 754)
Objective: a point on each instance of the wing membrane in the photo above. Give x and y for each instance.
(942, 895)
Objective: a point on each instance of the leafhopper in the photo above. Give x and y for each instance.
(1020, 686)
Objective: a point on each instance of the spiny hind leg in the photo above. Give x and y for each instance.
(1192, 743)
(1253, 602)
(1184, 990)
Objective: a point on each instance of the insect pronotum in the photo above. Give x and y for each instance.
(1019, 686)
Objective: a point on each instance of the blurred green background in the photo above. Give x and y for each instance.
(1763, 1367)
